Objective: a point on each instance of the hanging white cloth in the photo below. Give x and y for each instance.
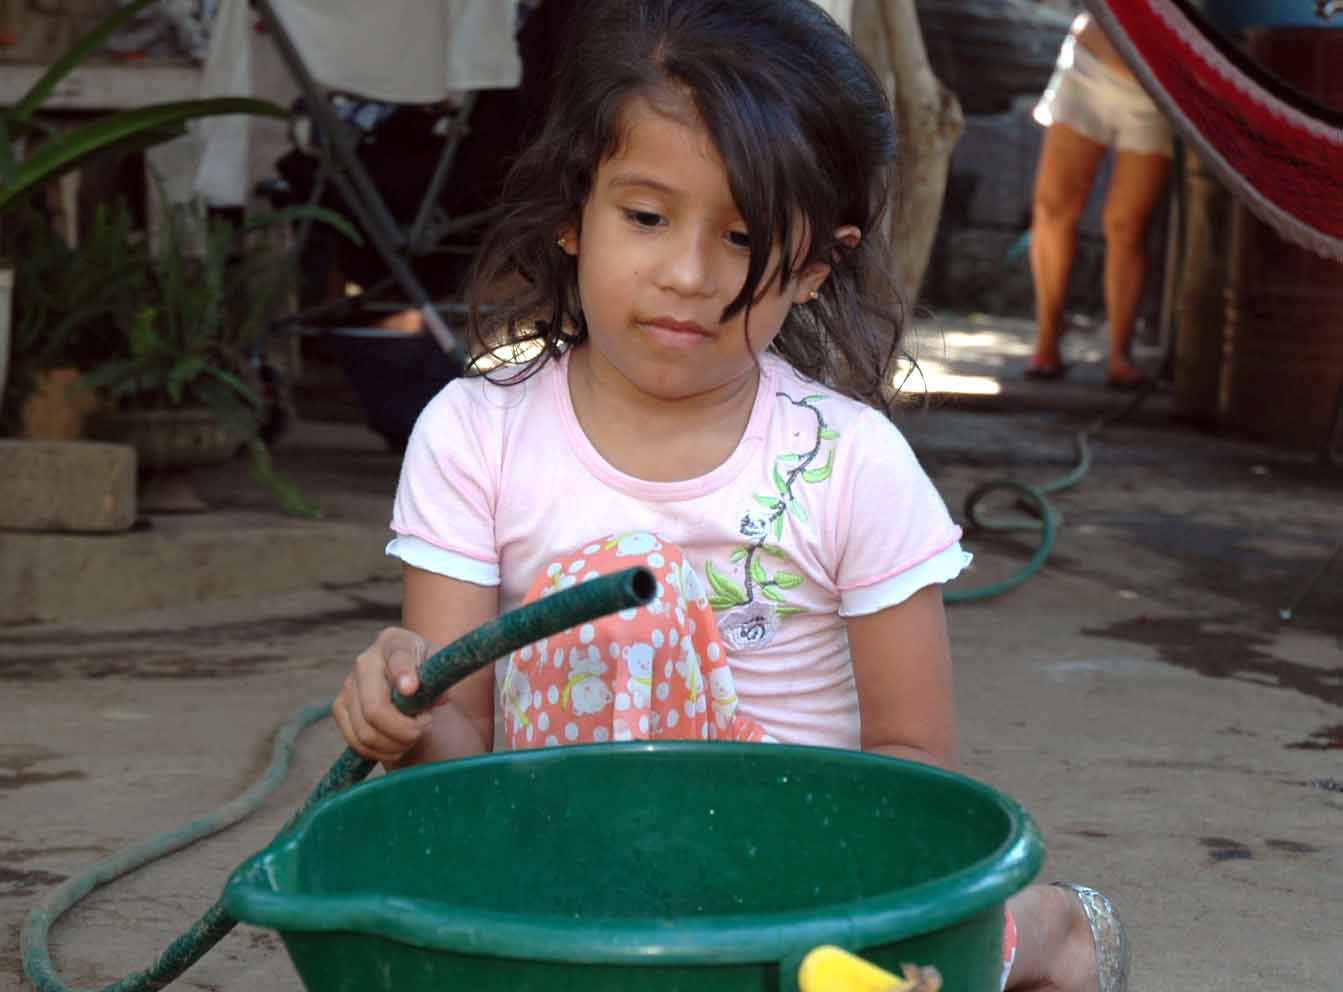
(406, 51)
(221, 177)
(395, 51)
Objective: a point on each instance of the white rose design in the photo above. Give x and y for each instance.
(745, 628)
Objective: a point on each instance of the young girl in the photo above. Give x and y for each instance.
(694, 246)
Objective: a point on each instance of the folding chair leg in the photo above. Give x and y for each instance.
(358, 189)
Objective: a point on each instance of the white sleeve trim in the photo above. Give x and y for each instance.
(431, 558)
(941, 567)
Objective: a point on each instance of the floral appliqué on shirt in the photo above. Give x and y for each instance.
(757, 604)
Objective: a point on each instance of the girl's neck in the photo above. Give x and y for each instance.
(654, 439)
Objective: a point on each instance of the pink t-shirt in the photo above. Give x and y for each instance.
(822, 512)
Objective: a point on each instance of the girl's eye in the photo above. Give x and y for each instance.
(643, 218)
(739, 239)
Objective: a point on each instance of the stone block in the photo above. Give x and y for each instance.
(66, 486)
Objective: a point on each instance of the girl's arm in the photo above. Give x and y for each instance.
(435, 610)
(902, 666)
(441, 610)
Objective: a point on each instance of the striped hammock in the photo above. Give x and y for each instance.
(1273, 147)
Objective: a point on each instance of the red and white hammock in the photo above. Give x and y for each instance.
(1277, 150)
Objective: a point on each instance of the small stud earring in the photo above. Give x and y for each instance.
(813, 295)
(563, 243)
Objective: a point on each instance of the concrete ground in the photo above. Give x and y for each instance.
(1178, 742)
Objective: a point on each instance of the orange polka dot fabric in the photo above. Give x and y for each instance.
(656, 672)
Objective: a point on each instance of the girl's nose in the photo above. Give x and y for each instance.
(688, 266)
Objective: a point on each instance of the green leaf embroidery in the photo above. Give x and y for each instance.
(812, 399)
(822, 473)
(787, 580)
(739, 554)
(775, 550)
(769, 502)
(796, 508)
(789, 611)
(778, 527)
(779, 483)
(829, 435)
(790, 458)
(758, 571)
(772, 593)
(726, 592)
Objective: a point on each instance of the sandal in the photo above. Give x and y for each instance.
(1047, 373)
(1107, 934)
(1127, 382)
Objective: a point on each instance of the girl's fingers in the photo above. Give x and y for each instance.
(401, 652)
(364, 711)
(379, 726)
(374, 698)
(340, 713)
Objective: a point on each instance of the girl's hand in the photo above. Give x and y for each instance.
(369, 721)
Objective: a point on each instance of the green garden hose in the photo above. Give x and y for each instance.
(1044, 517)
(525, 625)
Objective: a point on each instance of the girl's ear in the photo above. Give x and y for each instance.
(809, 280)
(568, 239)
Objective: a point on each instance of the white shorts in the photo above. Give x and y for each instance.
(1102, 104)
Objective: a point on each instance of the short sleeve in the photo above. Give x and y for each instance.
(443, 514)
(893, 532)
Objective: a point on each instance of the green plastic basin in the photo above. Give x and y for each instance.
(643, 867)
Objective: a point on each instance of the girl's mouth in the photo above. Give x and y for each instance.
(677, 333)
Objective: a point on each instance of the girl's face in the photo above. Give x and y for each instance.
(661, 252)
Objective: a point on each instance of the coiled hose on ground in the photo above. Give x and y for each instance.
(1044, 517)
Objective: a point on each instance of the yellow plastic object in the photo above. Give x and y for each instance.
(833, 969)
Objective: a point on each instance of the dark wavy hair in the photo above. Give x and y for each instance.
(806, 134)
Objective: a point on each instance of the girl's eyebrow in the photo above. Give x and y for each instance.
(626, 179)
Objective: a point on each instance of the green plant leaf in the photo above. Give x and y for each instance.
(182, 373)
(235, 385)
(775, 550)
(771, 593)
(758, 571)
(236, 407)
(82, 49)
(789, 611)
(829, 435)
(157, 122)
(769, 502)
(789, 458)
(9, 166)
(779, 484)
(291, 499)
(778, 527)
(112, 374)
(799, 511)
(788, 580)
(739, 554)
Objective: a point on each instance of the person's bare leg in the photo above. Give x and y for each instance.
(1137, 185)
(1055, 949)
(1067, 168)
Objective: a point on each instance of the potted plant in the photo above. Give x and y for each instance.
(181, 363)
(32, 153)
(65, 299)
